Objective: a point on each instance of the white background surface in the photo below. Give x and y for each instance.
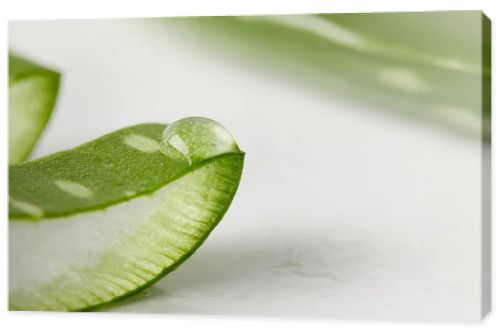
(352, 238)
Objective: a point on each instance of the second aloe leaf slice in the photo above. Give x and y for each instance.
(106, 219)
(32, 95)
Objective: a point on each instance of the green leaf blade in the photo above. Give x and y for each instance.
(130, 241)
(428, 68)
(33, 92)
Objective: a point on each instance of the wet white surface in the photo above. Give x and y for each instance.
(343, 211)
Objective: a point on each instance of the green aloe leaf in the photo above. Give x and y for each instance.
(32, 96)
(104, 220)
(423, 65)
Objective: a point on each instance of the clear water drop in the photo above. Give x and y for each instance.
(196, 138)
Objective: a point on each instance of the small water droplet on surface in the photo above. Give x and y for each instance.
(196, 138)
(147, 293)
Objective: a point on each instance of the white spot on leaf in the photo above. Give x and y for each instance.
(74, 188)
(31, 209)
(142, 143)
(402, 79)
(130, 193)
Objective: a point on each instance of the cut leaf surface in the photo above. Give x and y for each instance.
(106, 219)
(32, 96)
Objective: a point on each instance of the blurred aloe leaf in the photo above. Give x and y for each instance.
(425, 65)
(32, 96)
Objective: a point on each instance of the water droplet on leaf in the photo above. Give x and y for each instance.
(196, 138)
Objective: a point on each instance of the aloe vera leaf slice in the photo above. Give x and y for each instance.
(32, 95)
(353, 55)
(104, 220)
